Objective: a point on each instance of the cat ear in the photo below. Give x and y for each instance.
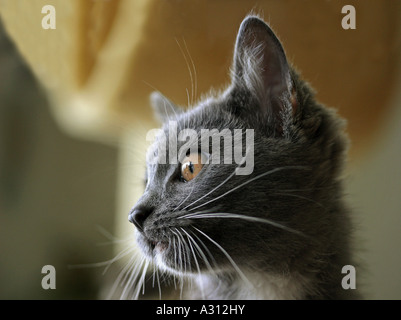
(261, 66)
(163, 108)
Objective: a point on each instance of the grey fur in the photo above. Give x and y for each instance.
(294, 238)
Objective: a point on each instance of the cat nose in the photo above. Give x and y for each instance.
(138, 216)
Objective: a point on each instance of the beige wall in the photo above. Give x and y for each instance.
(374, 193)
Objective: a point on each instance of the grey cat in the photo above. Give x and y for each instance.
(281, 232)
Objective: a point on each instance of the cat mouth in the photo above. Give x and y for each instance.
(158, 246)
(152, 247)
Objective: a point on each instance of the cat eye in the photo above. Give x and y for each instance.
(192, 164)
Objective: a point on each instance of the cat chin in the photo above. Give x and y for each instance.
(149, 247)
(165, 266)
(160, 262)
(160, 258)
(163, 263)
(157, 253)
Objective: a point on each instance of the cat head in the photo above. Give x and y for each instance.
(197, 214)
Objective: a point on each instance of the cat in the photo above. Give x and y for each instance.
(281, 232)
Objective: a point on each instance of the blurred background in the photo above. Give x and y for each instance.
(74, 111)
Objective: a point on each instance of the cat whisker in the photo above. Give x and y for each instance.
(217, 187)
(194, 70)
(179, 264)
(155, 277)
(141, 283)
(211, 191)
(119, 256)
(240, 216)
(113, 242)
(183, 201)
(109, 236)
(175, 262)
(190, 101)
(247, 182)
(106, 263)
(175, 254)
(121, 274)
(131, 276)
(158, 283)
(180, 254)
(200, 251)
(300, 189)
(185, 252)
(196, 261)
(207, 251)
(235, 266)
(178, 260)
(300, 197)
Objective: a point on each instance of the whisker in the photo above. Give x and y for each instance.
(188, 98)
(214, 189)
(183, 201)
(240, 216)
(153, 275)
(187, 254)
(190, 73)
(196, 262)
(239, 271)
(199, 250)
(300, 197)
(184, 252)
(158, 283)
(218, 186)
(193, 68)
(247, 182)
(122, 273)
(108, 235)
(112, 242)
(132, 276)
(177, 262)
(143, 276)
(106, 263)
(118, 257)
(141, 282)
(206, 249)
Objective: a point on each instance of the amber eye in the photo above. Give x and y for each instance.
(191, 166)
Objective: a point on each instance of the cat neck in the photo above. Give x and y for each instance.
(249, 286)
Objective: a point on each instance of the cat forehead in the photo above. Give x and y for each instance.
(206, 115)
